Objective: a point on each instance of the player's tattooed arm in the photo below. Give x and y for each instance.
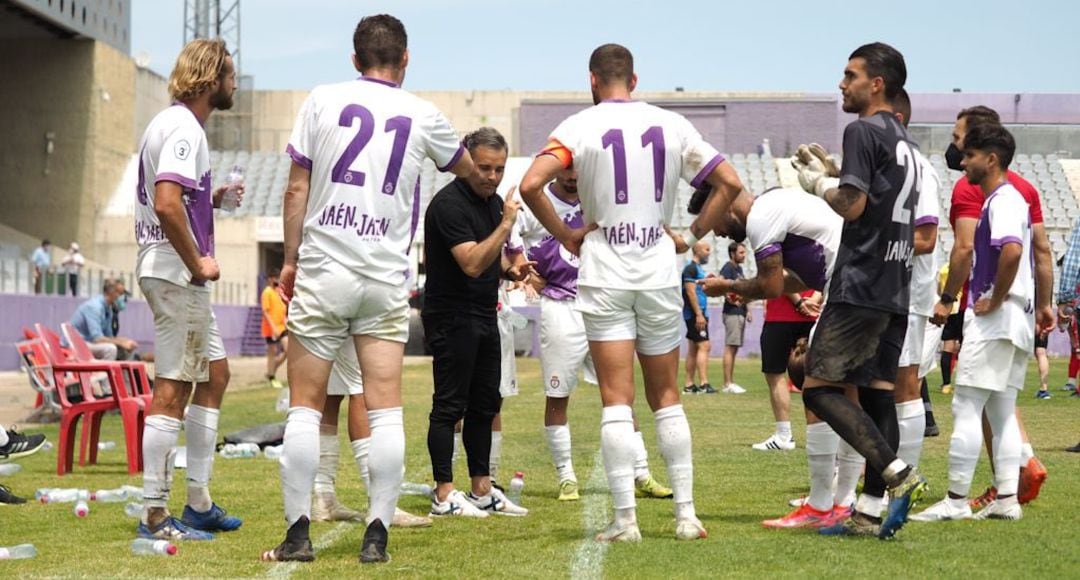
(793, 284)
(846, 201)
(769, 282)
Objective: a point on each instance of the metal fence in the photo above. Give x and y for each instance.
(17, 277)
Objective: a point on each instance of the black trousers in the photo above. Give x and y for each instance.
(467, 367)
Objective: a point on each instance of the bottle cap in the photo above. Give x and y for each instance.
(519, 474)
(170, 550)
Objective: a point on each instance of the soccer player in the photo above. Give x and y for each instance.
(346, 381)
(174, 227)
(564, 349)
(965, 211)
(350, 210)
(273, 327)
(696, 317)
(857, 340)
(795, 238)
(629, 156)
(998, 330)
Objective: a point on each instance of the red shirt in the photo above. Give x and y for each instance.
(780, 309)
(968, 198)
(967, 202)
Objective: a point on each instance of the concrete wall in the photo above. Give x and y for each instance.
(136, 322)
(151, 97)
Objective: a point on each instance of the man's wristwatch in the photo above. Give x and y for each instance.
(947, 298)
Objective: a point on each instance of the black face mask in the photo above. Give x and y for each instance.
(953, 157)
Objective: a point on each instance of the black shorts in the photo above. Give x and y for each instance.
(954, 327)
(272, 340)
(777, 341)
(692, 333)
(856, 345)
(1041, 339)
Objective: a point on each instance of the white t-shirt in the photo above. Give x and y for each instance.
(1005, 219)
(364, 142)
(629, 156)
(74, 262)
(553, 261)
(802, 227)
(924, 268)
(173, 148)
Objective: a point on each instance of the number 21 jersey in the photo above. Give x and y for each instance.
(364, 142)
(873, 265)
(629, 157)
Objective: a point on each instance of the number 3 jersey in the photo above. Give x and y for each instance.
(364, 142)
(174, 149)
(629, 156)
(873, 266)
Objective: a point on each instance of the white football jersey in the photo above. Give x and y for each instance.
(364, 142)
(1005, 219)
(554, 262)
(173, 148)
(924, 268)
(629, 156)
(801, 227)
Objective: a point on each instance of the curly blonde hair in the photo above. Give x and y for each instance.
(201, 62)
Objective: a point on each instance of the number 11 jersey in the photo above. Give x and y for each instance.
(629, 157)
(873, 265)
(364, 142)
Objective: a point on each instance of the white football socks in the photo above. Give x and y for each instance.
(360, 448)
(641, 457)
(200, 430)
(783, 430)
(1008, 446)
(911, 417)
(329, 456)
(849, 469)
(673, 437)
(159, 443)
(821, 448)
(967, 437)
(617, 444)
(558, 438)
(299, 462)
(386, 460)
(495, 457)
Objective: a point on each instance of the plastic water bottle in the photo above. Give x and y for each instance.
(60, 495)
(133, 510)
(82, 509)
(516, 486)
(132, 491)
(45, 447)
(109, 495)
(273, 452)
(231, 198)
(10, 468)
(106, 445)
(148, 547)
(18, 552)
(410, 488)
(242, 450)
(282, 405)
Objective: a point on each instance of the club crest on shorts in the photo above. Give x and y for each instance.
(554, 382)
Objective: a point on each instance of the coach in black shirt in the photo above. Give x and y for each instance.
(466, 228)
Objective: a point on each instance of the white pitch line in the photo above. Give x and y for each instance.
(588, 563)
(285, 569)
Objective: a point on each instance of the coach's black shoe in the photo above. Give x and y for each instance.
(931, 430)
(373, 549)
(20, 445)
(707, 389)
(9, 498)
(691, 389)
(1074, 448)
(296, 547)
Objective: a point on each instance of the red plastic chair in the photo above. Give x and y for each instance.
(41, 380)
(133, 397)
(91, 407)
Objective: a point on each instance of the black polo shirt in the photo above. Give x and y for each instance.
(457, 215)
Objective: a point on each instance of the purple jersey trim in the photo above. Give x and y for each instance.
(379, 81)
(705, 171)
(997, 243)
(453, 160)
(177, 178)
(298, 158)
(926, 219)
(767, 251)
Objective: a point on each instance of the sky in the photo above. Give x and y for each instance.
(706, 45)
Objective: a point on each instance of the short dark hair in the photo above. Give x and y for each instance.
(979, 115)
(992, 138)
(485, 137)
(110, 284)
(611, 63)
(886, 62)
(273, 272)
(733, 247)
(380, 41)
(46, 242)
(902, 104)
